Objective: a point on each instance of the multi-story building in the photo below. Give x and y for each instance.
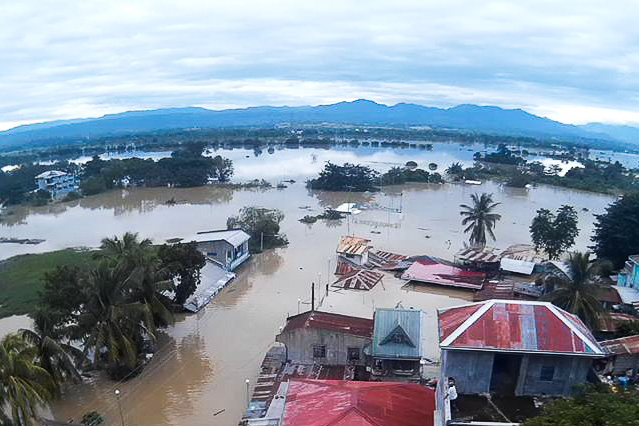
(57, 183)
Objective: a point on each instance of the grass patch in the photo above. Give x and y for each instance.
(22, 277)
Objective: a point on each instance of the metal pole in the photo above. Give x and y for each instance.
(312, 297)
(298, 305)
(262, 241)
(248, 401)
(117, 396)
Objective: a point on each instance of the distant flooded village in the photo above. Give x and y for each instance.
(353, 293)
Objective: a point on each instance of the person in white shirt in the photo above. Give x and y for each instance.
(451, 394)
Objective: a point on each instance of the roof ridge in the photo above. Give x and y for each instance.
(466, 324)
(556, 310)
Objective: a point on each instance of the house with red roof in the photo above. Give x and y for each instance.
(346, 403)
(326, 338)
(515, 347)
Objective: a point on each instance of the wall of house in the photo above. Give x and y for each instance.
(472, 370)
(622, 363)
(216, 250)
(299, 344)
(568, 372)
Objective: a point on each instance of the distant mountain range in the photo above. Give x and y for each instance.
(480, 119)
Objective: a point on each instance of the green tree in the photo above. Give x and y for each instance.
(577, 293)
(24, 386)
(263, 225)
(554, 234)
(57, 358)
(592, 406)
(456, 171)
(348, 177)
(184, 262)
(480, 219)
(616, 233)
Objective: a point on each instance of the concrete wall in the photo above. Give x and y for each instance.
(569, 371)
(472, 370)
(216, 250)
(300, 342)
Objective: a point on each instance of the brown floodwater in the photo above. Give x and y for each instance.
(204, 359)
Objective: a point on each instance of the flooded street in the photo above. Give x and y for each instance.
(204, 359)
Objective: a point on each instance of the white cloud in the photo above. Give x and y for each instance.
(573, 60)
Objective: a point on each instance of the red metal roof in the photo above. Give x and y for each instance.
(477, 254)
(362, 279)
(622, 346)
(509, 325)
(344, 267)
(433, 272)
(348, 403)
(328, 321)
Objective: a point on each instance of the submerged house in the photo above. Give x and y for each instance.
(515, 347)
(57, 183)
(396, 349)
(325, 338)
(227, 248)
(353, 249)
(430, 270)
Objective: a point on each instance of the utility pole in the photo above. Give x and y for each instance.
(312, 297)
(248, 401)
(261, 241)
(117, 395)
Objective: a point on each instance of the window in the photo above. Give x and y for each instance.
(319, 351)
(353, 354)
(547, 373)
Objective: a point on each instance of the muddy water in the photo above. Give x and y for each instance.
(205, 358)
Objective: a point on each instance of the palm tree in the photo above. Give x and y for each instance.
(479, 218)
(576, 291)
(127, 252)
(57, 358)
(23, 384)
(113, 326)
(456, 170)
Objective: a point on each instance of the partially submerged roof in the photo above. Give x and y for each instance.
(345, 267)
(235, 237)
(397, 334)
(478, 255)
(523, 252)
(353, 245)
(432, 271)
(516, 266)
(382, 258)
(623, 346)
(362, 279)
(515, 326)
(351, 403)
(355, 326)
(50, 174)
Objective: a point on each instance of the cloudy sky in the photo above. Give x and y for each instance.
(575, 61)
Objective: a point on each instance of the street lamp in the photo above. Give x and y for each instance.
(117, 395)
(248, 401)
(298, 305)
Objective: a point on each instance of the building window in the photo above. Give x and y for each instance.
(353, 354)
(547, 373)
(319, 351)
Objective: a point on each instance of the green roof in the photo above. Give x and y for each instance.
(397, 334)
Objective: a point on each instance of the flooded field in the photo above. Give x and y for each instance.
(204, 359)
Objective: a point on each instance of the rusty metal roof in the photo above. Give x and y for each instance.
(477, 254)
(380, 258)
(611, 322)
(328, 321)
(353, 245)
(622, 346)
(515, 326)
(362, 279)
(432, 271)
(523, 252)
(351, 403)
(345, 267)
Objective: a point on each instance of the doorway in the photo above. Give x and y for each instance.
(505, 374)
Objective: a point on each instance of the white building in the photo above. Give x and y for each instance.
(229, 248)
(57, 183)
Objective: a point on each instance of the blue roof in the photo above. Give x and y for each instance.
(397, 334)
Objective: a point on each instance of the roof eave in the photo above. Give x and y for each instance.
(580, 354)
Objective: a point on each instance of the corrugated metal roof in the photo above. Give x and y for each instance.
(622, 346)
(524, 252)
(380, 258)
(345, 267)
(610, 322)
(350, 403)
(362, 279)
(515, 326)
(328, 321)
(353, 245)
(628, 295)
(477, 254)
(50, 174)
(386, 322)
(433, 272)
(517, 266)
(235, 237)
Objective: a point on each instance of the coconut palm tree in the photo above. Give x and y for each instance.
(576, 290)
(480, 218)
(113, 326)
(126, 252)
(57, 358)
(455, 170)
(23, 384)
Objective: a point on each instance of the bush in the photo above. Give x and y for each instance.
(263, 225)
